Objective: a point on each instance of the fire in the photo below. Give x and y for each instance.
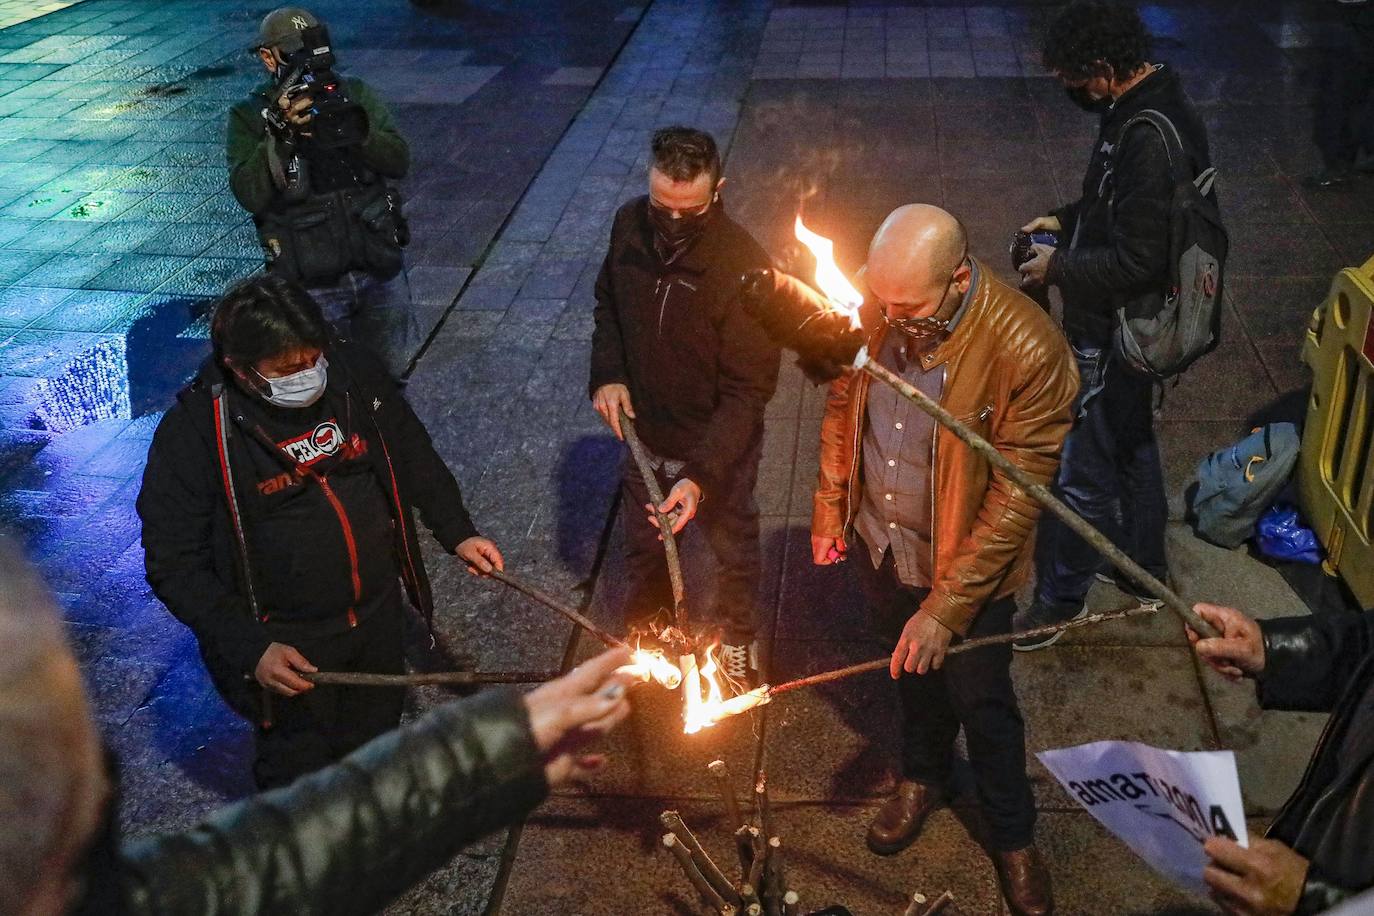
(653, 665)
(829, 278)
(704, 703)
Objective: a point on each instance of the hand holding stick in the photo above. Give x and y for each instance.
(665, 524)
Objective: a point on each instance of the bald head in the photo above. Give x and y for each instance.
(52, 778)
(912, 258)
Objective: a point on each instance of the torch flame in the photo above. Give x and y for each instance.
(703, 701)
(829, 278)
(652, 665)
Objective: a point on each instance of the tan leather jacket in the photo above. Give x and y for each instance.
(1010, 375)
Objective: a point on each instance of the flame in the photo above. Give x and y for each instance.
(652, 665)
(829, 278)
(704, 703)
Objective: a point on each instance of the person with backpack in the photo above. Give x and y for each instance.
(1139, 271)
(278, 524)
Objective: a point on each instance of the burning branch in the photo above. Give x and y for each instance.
(418, 679)
(665, 525)
(809, 322)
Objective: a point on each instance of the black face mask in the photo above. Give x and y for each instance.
(674, 236)
(1080, 96)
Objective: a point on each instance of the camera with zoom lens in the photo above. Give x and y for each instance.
(1021, 244)
(336, 120)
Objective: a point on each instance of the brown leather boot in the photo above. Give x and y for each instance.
(1025, 882)
(899, 821)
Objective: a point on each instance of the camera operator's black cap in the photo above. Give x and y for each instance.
(282, 28)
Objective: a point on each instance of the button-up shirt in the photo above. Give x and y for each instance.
(895, 510)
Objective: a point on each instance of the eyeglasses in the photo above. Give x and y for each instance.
(678, 213)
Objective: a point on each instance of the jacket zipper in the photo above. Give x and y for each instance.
(347, 527)
(660, 286)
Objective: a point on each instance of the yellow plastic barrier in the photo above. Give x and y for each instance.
(1336, 469)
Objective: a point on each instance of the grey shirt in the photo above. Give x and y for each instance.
(896, 505)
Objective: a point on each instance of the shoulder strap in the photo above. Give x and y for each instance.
(1173, 141)
(231, 495)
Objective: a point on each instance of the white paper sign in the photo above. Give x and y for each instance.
(1162, 804)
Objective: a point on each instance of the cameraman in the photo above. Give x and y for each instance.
(309, 154)
(1114, 249)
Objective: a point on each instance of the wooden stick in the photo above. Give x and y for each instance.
(549, 601)
(673, 822)
(761, 802)
(758, 859)
(1100, 542)
(694, 875)
(745, 847)
(774, 884)
(665, 525)
(721, 771)
(916, 906)
(939, 904)
(458, 678)
(791, 904)
(882, 664)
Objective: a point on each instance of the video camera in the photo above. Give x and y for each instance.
(337, 120)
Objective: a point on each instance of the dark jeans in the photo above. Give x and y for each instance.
(376, 313)
(1343, 116)
(972, 689)
(729, 519)
(316, 728)
(1110, 474)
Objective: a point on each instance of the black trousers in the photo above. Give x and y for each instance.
(316, 728)
(972, 690)
(729, 519)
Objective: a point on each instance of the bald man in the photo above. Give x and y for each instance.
(941, 540)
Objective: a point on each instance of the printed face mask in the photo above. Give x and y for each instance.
(674, 236)
(299, 389)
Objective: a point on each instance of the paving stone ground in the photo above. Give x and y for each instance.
(116, 226)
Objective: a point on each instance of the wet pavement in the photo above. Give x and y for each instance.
(530, 126)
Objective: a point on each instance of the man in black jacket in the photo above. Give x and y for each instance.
(1114, 249)
(345, 840)
(1316, 853)
(277, 523)
(674, 350)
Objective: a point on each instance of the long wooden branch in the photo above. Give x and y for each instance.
(714, 876)
(708, 894)
(549, 601)
(423, 678)
(881, 664)
(665, 525)
(1100, 542)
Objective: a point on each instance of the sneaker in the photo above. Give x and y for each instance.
(1127, 587)
(1040, 615)
(739, 662)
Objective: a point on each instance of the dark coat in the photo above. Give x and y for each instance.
(191, 551)
(1325, 663)
(1122, 217)
(699, 369)
(352, 837)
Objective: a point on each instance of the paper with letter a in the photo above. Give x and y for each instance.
(1162, 804)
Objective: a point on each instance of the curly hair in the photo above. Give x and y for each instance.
(1087, 35)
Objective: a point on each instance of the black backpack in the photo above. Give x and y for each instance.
(1160, 335)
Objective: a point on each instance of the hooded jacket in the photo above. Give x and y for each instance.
(1325, 663)
(1119, 227)
(210, 476)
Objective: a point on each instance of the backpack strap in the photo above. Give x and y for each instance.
(231, 494)
(1173, 141)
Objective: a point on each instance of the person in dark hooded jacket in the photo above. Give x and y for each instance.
(1316, 852)
(277, 524)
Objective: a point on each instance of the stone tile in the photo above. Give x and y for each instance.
(1157, 700)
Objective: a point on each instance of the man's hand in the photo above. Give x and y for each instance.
(826, 551)
(921, 647)
(608, 401)
(1239, 651)
(680, 505)
(481, 555)
(1043, 224)
(297, 111)
(1034, 271)
(278, 667)
(1265, 879)
(568, 712)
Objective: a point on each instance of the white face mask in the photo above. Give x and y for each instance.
(299, 389)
